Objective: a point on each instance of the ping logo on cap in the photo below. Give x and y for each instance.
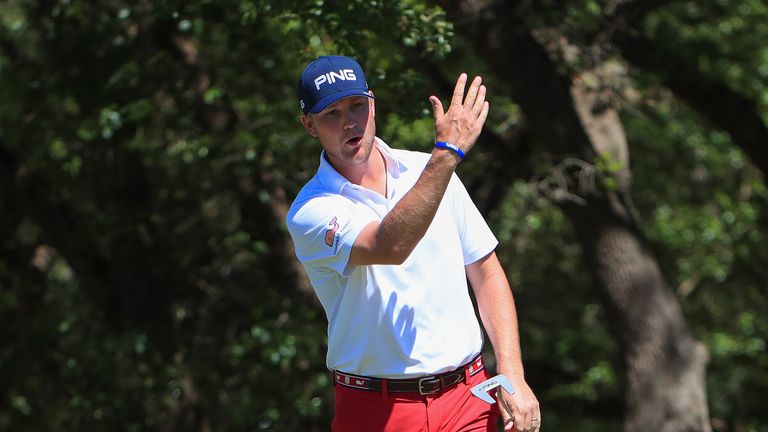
(331, 77)
(327, 79)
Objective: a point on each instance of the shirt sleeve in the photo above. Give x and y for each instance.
(323, 232)
(477, 239)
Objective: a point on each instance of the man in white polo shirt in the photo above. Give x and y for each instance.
(388, 238)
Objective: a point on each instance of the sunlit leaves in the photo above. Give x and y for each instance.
(724, 38)
(110, 106)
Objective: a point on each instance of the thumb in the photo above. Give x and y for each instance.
(437, 107)
(507, 414)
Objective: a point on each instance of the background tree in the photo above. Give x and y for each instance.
(148, 152)
(665, 366)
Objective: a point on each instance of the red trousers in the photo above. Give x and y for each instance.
(451, 410)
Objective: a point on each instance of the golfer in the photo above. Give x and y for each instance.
(388, 238)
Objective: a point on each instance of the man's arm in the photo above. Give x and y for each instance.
(393, 239)
(497, 311)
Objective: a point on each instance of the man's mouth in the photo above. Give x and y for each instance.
(353, 141)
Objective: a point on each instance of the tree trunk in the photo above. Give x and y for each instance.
(665, 366)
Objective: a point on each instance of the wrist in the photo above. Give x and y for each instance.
(445, 156)
(512, 369)
(450, 146)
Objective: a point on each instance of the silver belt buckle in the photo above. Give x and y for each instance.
(430, 380)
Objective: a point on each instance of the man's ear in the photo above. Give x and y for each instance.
(372, 103)
(309, 124)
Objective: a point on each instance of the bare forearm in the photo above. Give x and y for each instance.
(498, 314)
(497, 311)
(405, 225)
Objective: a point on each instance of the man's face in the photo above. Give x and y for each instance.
(346, 130)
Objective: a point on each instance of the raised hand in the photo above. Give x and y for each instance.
(463, 122)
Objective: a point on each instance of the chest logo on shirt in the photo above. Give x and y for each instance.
(330, 232)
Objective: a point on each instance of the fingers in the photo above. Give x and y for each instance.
(469, 101)
(437, 107)
(506, 411)
(483, 113)
(509, 424)
(520, 420)
(524, 423)
(479, 101)
(529, 421)
(463, 120)
(525, 414)
(520, 423)
(458, 91)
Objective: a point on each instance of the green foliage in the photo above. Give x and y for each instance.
(703, 217)
(568, 349)
(144, 279)
(725, 38)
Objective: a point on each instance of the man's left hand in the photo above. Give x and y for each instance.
(526, 414)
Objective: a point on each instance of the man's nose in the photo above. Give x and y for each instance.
(349, 121)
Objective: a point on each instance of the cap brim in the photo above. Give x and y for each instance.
(324, 102)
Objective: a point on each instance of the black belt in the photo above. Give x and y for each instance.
(424, 386)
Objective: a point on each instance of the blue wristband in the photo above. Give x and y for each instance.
(447, 145)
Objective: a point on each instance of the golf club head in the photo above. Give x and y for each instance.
(481, 390)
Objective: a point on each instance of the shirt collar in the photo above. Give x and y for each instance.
(335, 182)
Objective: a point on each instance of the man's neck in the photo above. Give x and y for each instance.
(372, 174)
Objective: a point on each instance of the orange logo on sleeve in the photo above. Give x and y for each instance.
(330, 233)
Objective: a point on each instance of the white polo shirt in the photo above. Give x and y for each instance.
(391, 321)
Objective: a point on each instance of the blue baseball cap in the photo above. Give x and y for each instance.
(328, 79)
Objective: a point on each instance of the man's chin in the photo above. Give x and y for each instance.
(362, 152)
